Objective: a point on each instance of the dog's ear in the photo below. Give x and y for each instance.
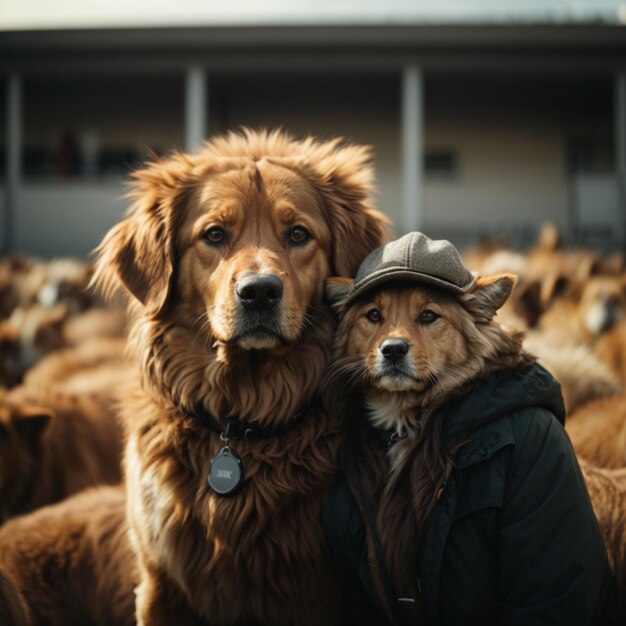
(30, 422)
(550, 238)
(51, 331)
(553, 286)
(344, 177)
(8, 296)
(488, 295)
(336, 290)
(614, 265)
(527, 301)
(589, 265)
(138, 253)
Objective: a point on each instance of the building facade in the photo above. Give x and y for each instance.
(483, 120)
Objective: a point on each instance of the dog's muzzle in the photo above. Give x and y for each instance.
(258, 319)
(394, 369)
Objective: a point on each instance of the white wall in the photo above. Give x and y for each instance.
(510, 140)
(116, 110)
(507, 177)
(596, 201)
(362, 109)
(59, 219)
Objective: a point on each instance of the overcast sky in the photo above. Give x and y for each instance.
(35, 14)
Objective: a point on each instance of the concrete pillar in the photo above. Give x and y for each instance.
(620, 148)
(412, 150)
(13, 160)
(196, 108)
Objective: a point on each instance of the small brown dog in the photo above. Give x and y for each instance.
(438, 359)
(583, 376)
(457, 466)
(585, 310)
(54, 445)
(72, 561)
(607, 489)
(411, 348)
(611, 350)
(96, 367)
(598, 432)
(26, 336)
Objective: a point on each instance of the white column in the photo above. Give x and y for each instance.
(196, 108)
(620, 147)
(14, 160)
(412, 150)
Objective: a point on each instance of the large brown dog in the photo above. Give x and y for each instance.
(27, 336)
(71, 562)
(53, 445)
(225, 255)
(95, 367)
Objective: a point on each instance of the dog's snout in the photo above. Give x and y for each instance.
(260, 292)
(394, 349)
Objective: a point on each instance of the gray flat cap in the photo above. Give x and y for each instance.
(413, 257)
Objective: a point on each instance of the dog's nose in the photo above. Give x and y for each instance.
(260, 292)
(394, 349)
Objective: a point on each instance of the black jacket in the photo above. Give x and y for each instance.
(513, 539)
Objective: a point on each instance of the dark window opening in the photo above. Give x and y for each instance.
(441, 164)
(590, 155)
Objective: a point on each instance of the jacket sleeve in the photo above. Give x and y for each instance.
(345, 534)
(552, 562)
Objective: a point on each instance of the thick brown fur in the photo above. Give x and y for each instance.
(53, 445)
(102, 322)
(72, 562)
(13, 609)
(26, 336)
(611, 350)
(98, 366)
(259, 556)
(585, 311)
(9, 296)
(35, 282)
(446, 355)
(598, 432)
(582, 375)
(607, 489)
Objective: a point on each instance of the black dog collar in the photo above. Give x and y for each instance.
(388, 437)
(226, 473)
(236, 428)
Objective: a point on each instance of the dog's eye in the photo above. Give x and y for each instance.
(428, 317)
(214, 235)
(298, 235)
(373, 315)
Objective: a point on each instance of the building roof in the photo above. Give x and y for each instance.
(17, 15)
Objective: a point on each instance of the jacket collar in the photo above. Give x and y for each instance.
(504, 392)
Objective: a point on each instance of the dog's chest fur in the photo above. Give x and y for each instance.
(394, 411)
(258, 556)
(199, 537)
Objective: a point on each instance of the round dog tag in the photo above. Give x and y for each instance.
(226, 473)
